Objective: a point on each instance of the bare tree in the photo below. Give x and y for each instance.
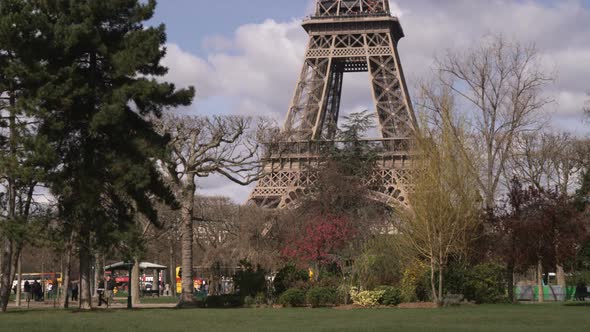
(549, 162)
(500, 85)
(445, 201)
(230, 146)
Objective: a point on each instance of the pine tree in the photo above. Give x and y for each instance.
(24, 155)
(103, 64)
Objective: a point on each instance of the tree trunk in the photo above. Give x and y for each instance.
(188, 202)
(561, 278)
(135, 282)
(85, 274)
(19, 283)
(433, 281)
(98, 271)
(540, 282)
(172, 268)
(510, 277)
(65, 299)
(6, 267)
(440, 283)
(5, 274)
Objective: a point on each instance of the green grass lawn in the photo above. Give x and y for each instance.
(502, 318)
(159, 300)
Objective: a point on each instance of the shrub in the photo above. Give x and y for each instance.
(250, 281)
(289, 277)
(329, 279)
(483, 283)
(223, 301)
(292, 297)
(579, 278)
(391, 295)
(486, 283)
(321, 296)
(260, 299)
(378, 264)
(452, 300)
(249, 301)
(366, 298)
(343, 294)
(415, 282)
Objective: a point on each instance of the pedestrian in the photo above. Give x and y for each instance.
(49, 291)
(37, 291)
(55, 288)
(111, 284)
(167, 290)
(75, 292)
(27, 291)
(100, 290)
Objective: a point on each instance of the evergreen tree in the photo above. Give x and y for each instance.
(356, 157)
(23, 154)
(103, 64)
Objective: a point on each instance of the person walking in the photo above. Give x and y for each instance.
(36, 289)
(75, 292)
(27, 291)
(111, 284)
(100, 290)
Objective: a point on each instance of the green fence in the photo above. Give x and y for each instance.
(550, 293)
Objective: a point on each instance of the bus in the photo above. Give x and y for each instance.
(44, 278)
(202, 274)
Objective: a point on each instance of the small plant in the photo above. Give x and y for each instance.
(250, 280)
(321, 296)
(292, 297)
(453, 300)
(343, 294)
(289, 277)
(249, 301)
(260, 299)
(366, 298)
(391, 296)
(223, 301)
(414, 284)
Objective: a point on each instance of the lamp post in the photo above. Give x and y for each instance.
(129, 299)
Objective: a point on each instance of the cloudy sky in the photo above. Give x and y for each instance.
(244, 56)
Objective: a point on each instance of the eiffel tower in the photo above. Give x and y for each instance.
(344, 36)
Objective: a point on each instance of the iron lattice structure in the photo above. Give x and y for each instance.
(344, 36)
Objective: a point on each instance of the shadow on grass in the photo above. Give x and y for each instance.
(577, 304)
(22, 311)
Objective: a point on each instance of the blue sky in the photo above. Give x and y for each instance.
(244, 56)
(189, 22)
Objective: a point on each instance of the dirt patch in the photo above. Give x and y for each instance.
(354, 306)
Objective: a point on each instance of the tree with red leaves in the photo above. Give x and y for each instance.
(539, 228)
(320, 242)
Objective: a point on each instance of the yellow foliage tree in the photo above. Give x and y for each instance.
(445, 200)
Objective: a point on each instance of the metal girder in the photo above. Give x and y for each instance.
(364, 40)
(330, 8)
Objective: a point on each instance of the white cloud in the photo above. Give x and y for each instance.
(256, 70)
(217, 44)
(187, 70)
(396, 9)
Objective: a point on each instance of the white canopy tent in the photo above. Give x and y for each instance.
(142, 267)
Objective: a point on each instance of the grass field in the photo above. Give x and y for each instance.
(502, 318)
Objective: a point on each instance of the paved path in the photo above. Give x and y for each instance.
(120, 303)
